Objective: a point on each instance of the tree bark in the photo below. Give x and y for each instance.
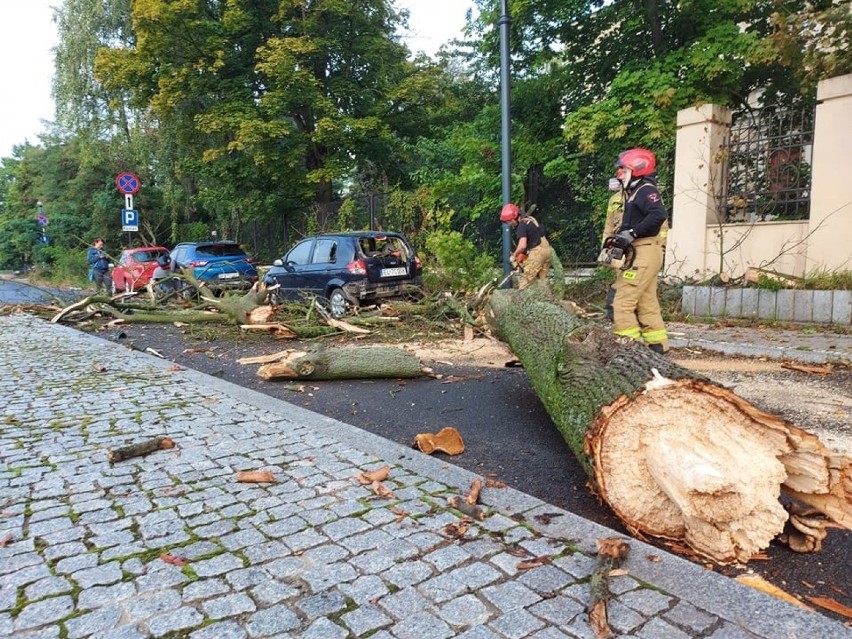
(345, 363)
(673, 454)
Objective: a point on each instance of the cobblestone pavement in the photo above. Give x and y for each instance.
(315, 555)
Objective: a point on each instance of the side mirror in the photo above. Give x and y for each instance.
(278, 262)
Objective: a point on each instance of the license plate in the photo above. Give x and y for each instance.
(228, 276)
(393, 272)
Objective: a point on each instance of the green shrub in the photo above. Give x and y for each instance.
(63, 266)
(769, 283)
(454, 263)
(828, 281)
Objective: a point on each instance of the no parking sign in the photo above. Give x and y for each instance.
(127, 182)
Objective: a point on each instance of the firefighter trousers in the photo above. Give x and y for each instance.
(537, 264)
(636, 308)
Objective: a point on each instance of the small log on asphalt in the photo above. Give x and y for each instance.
(139, 449)
(673, 454)
(345, 363)
(278, 331)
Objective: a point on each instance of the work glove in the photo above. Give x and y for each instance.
(624, 239)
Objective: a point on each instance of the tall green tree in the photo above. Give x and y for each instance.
(83, 106)
(271, 104)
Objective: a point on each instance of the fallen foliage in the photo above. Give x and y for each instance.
(447, 440)
(174, 559)
(759, 583)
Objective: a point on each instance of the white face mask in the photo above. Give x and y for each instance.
(614, 184)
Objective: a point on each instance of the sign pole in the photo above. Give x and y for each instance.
(128, 205)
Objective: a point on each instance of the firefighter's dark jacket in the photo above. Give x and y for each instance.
(644, 211)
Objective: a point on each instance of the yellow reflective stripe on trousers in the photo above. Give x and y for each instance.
(655, 337)
(632, 333)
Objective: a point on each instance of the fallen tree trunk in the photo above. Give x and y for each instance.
(344, 363)
(675, 455)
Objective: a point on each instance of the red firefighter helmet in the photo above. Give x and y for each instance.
(509, 213)
(639, 161)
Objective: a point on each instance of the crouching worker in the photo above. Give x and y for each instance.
(532, 249)
(642, 236)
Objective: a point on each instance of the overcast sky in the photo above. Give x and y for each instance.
(27, 34)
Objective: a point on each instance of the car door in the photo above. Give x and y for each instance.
(290, 277)
(322, 267)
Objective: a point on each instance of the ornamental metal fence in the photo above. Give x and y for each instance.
(770, 153)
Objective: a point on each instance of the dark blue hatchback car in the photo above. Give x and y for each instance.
(348, 269)
(223, 265)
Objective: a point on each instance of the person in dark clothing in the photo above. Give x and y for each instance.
(533, 250)
(636, 308)
(99, 265)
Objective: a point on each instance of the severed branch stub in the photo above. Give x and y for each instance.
(612, 552)
(467, 506)
(139, 449)
(256, 476)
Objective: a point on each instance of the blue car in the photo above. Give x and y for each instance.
(347, 269)
(223, 265)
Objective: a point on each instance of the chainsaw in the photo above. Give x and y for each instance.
(615, 256)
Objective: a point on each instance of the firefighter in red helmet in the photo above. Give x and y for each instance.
(642, 235)
(532, 249)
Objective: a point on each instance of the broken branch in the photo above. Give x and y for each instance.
(137, 450)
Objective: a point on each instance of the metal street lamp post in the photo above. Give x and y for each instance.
(506, 142)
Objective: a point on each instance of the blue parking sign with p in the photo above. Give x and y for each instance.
(129, 220)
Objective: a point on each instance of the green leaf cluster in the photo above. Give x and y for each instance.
(270, 113)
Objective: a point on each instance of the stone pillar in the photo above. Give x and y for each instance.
(699, 176)
(830, 225)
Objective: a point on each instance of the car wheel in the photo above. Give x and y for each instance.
(338, 303)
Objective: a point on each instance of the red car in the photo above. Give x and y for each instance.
(135, 267)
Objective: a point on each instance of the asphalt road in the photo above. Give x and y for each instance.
(507, 433)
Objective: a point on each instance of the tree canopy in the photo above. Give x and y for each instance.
(268, 114)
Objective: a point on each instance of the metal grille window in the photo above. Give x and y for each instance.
(769, 164)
